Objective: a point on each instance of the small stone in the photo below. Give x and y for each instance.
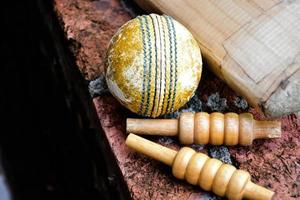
(165, 140)
(98, 86)
(221, 153)
(215, 103)
(198, 147)
(204, 196)
(195, 104)
(240, 103)
(210, 196)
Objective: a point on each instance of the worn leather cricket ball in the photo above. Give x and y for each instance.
(153, 65)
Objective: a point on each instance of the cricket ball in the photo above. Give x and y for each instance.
(153, 65)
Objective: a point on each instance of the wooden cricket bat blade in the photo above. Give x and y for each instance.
(253, 45)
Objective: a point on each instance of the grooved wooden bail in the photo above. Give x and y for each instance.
(198, 169)
(203, 128)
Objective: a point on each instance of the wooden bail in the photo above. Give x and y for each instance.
(198, 169)
(203, 128)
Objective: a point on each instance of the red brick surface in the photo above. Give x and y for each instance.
(275, 163)
(146, 179)
(88, 26)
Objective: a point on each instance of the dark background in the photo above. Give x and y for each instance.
(51, 146)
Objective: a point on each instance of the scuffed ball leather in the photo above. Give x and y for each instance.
(153, 65)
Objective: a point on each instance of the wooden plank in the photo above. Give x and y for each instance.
(252, 45)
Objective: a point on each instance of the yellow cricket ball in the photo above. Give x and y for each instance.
(153, 65)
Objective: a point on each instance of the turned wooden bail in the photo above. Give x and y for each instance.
(203, 128)
(198, 169)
